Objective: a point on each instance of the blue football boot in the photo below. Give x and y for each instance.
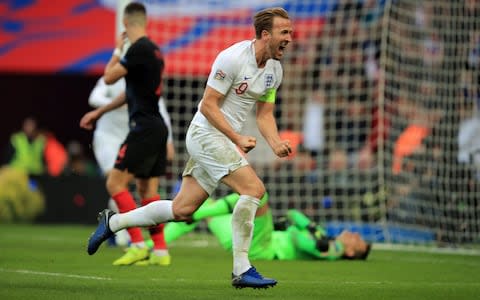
(252, 279)
(102, 233)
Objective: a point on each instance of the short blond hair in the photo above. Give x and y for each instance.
(263, 20)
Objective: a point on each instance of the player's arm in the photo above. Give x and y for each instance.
(324, 248)
(268, 128)
(210, 108)
(222, 76)
(166, 117)
(162, 108)
(114, 69)
(98, 96)
(89, 119)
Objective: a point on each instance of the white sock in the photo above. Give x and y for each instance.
(139, 245)
(112, 205)
(242, 231)
(122, 238)
(149, 215)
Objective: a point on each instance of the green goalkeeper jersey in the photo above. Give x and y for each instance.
(267, 244)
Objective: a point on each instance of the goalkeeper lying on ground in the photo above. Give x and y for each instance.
(296, 238)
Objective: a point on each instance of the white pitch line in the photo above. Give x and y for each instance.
(351, 283)
(55, 274)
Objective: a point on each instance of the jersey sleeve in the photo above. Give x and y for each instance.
(223, 73)
(98, 96)
(102, 94)
(133, 57)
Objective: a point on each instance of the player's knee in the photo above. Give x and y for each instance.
(182, 212)
(257, 191)
(248, 226)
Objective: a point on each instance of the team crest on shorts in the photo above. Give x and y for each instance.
(268, 80)
(219, 75)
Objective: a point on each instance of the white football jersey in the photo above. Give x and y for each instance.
(236, 75)
(115, 122)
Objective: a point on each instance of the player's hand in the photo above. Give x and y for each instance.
(246, 143)
(283, 149)
(89, 119)
(121, 40)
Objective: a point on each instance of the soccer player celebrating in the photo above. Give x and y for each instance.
(243, 75)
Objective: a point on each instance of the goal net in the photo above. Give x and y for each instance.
(379, 98)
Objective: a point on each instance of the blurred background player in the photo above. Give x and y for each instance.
(143, 154)
(293, 237)
(111, 130)
(26, 149)
(35, 151)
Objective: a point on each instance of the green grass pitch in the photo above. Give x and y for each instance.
(50, 262)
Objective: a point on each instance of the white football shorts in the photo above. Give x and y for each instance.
(212, 156)
(105, 149)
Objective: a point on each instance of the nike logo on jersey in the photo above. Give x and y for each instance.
(246, 77)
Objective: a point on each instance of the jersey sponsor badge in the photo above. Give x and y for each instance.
(219, 75)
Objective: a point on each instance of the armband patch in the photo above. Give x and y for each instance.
(269, 96)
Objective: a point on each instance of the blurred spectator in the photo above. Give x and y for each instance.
(296, 139)
(313, 123)
(351, 128)
(410, 141)
(79, 163)
(469, 137)
(433, 50)
(25, 150)
(338, 161)
(20, 198)
(474, 52)
(55, 154)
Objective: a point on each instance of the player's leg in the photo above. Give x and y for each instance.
(221, 228)
(261, 246)
(105, 148)
(220, 159)
(148, 192)
(121, 238)
(127, 160)
(117, 184)
(189, 198)
(212, 208)
(174, 230)
(246, 183)
(135, 158)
